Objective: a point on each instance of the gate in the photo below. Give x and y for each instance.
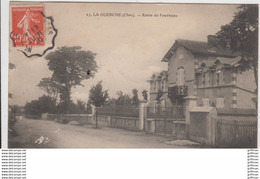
(164, 117)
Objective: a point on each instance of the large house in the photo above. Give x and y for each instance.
(211, 74)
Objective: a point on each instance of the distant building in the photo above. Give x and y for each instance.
(159, 81)
(213, 75)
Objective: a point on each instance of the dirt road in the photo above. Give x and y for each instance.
(48, 134)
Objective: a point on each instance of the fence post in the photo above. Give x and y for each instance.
(142, 114)
(191, 102)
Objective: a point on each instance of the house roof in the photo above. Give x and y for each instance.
(198, 47)
(222, 60)
(158, 75)
(208, 62)
(165, 73)
(228, 61)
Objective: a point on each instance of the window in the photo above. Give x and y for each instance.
(220, 102)
(180, 56)
(180, 76)
(204, 79)
(218, 77)
(163, 103)
(205, 102)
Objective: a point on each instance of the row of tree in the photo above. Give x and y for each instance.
(97, 97)
(47, 104)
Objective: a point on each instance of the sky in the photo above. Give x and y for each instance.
(129, 50)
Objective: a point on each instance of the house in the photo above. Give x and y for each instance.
(211, 74)
(159, 82)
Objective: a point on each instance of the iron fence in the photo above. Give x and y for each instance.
(176, 112)
(122, 111)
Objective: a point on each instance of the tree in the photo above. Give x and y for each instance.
(81, 107)
(145, 94)
(241, 35)
(47, 104)
(122, 99)
(135, 98)
(159, 96)
(97, 97)
(49, 86)
(43, 104)
(70, 66)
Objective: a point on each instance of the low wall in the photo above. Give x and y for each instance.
(103, 121)
(129, 123)
(125, 122)
(83, 119)
(52, 117)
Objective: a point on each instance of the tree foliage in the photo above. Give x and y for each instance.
(145, 94)
(135, 99)
(98, 96)
(122, 99)
(81, 107)
(43, 104)
(241, 35)
(49, 86)
(70, 66)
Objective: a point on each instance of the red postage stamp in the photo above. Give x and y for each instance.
(28, 26)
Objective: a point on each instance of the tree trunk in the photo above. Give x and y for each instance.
(67, 99)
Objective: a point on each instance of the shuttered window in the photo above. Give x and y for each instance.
(180, 76)
(205, 102)
(220, 102)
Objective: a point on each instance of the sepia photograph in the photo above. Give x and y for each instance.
(132, 75)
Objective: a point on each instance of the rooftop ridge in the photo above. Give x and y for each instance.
(192, 41)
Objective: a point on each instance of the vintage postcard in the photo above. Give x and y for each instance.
(132, 75)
